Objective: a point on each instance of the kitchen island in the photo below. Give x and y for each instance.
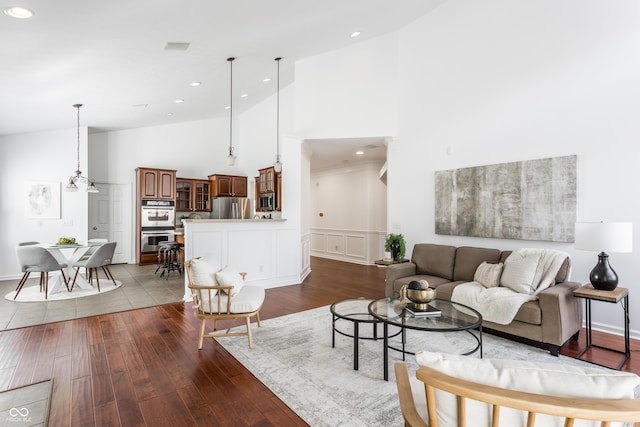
(267, 249)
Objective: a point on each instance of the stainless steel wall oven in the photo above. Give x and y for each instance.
(157, 224)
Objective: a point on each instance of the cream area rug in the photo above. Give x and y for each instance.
(292, 355)
(33, 294)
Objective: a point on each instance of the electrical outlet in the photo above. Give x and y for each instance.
(68, 222)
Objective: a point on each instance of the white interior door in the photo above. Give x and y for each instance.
(110, 218)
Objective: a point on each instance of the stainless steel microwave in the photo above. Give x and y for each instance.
(267, 202)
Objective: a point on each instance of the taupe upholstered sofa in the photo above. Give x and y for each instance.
(552, 319)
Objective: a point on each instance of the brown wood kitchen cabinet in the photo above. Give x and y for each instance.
(267, 180)
(159, 184)
(228, 185)
(279, 191)
(193, 194)
(269, 183)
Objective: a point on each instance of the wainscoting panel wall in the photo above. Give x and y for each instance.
(357, 246)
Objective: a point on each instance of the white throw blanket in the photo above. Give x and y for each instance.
(501, 304)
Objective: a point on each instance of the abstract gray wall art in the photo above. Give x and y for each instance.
(529, 200)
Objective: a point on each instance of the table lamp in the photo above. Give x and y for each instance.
(604, 236)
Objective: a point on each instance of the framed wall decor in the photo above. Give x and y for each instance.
(528, 200)
(42, 199)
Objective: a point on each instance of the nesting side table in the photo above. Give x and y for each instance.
(589, 293)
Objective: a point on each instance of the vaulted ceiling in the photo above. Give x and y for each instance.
(112, 56)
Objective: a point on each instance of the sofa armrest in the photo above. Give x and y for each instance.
(561, 312)
(396, 271)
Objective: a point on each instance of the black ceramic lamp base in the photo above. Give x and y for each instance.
(602, 276)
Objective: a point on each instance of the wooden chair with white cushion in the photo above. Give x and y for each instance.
(221, 294)
(463, 391)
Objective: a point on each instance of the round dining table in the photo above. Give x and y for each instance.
(68, 254)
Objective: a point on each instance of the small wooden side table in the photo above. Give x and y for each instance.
(589, 293)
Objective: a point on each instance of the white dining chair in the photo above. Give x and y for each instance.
(94, 244)
(36, 259)
(101, 258)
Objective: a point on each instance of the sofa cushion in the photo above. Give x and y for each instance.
(542, 378)
(434, 260)
(529, 312)
(563, 273)
(434, 281)
(469, 258)
(488, 275)
(519, 272)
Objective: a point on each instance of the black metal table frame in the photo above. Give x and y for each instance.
(356, 329)
(403, 327)
(627, 346)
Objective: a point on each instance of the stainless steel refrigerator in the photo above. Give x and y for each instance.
(231, 208)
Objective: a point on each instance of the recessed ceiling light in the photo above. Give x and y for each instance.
(179, 101)
(169, 114)
(244, 95)
(227, 107)
(176, 46)
(355, 34)
(359, 152)
(267, 79)
(195, 83)
(18, 12)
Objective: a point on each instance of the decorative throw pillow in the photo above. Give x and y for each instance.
(519, 272)
(553, 379)
(230, 277)
(203, 272)
(488, 275)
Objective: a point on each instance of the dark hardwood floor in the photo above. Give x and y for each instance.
(142, 367)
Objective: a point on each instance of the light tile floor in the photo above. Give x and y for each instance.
(141, 287)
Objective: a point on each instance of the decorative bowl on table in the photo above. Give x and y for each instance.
(419, 293)
(67, 241)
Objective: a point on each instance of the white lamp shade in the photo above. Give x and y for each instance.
(604, 236)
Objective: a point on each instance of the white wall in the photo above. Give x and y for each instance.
(490, 82)
(350, 92)
(196, 149)
(353, 205)
(43, 156)
(502, 81)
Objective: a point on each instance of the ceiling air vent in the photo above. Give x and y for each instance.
(176, 46)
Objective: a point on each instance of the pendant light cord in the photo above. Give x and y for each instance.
(77, 106)
(278, 112)
(231, 107)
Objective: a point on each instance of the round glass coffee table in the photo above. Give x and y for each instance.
(355, 311)
(453, 317)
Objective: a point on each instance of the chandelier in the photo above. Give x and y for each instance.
(77, 177)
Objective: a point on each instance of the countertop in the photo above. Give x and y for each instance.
(179, 231)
